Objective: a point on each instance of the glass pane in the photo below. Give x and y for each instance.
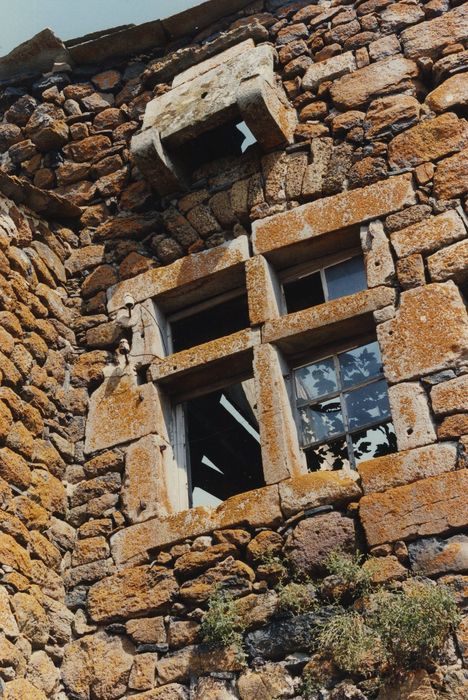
(346, 278)
(360, 364)
(321, 420)
(316, 380)
(374, 442)
(332, 455)
(367, 404)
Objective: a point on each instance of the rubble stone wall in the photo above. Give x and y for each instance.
(94, 606)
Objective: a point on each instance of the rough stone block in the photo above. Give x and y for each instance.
(411, 415)
(451, 396)
(451, 176)
(317, 489)
(188, 270)
(429, 507)
(452, 93)
(330, 69)
(429, 235)
(449, 263)
(411, 272)
(434, 556)
(356, 89)
(143, 590)
(428, 333)
(197, 660)
(121, 411)
(429, 38)
(402, 468)
(429, 140)
(380, 268)
(333, 213)
(263, 291)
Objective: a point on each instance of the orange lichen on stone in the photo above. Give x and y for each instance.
(392, 470)
(333, 213)
(428, 507)
(428, 333)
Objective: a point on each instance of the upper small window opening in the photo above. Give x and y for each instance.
(209, 320)
(228, 140)
(311, 288)
(343, 409)
(223, 444)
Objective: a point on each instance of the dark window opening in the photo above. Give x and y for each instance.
(313, 288)
(223, 444)
(303, 293)
(228, 140)
(343, 409)
(200, 326)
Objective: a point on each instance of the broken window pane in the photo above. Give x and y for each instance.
(315, 380)
(206, 324)
(322, 420)
(223, 444)
(360, 364)
(332, 455)
(345, 278)
(374, 442)
(303, 293)
(367, 404)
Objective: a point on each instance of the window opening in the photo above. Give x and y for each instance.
(343, 409)
(229, 140)
(311, 288)
(222, 444)
(209, 320)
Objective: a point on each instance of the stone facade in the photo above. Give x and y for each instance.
(108, 228)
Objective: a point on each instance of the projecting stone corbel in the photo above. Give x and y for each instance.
(266, 112)
(155, 163)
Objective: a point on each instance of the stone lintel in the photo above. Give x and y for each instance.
(281, 455)
(202, 356)
(121, 411)
(333, 213)
(192, 278)
(259, 508)
(401, 468)
(318, 489)
(432, 506)
(327, 322)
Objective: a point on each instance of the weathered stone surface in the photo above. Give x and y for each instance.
(434, 556)
(411, 415)
(357, 89)
(453, 426)
(171, 691)
(149, 630)
(139, 591)
(271, 681)
(449, 263)
(401, 468)
(193, 563)
(332, 213)
(428, 38)
(415, 685)
(313, 539)
(452, 93)
(120, 411)
(451, 176)
(380, 268)
(410, 271)
(231, 573)
(197, 660)
(208, 688)
(399, 15)
(429, 507)
(330, 69)
(428, 333)
(143, 669)
(286, 635)
(429, 235)
(97, 666)
(8, 625)
(451, 396)
(258, 508)
(317, 489)
(42, 673)
(14, 469)
(429, 140)
(31, 618)
(21, 689)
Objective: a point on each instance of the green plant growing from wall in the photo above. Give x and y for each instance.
(221, 623)
(296, 597)
(352, 645)
(348, 568)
